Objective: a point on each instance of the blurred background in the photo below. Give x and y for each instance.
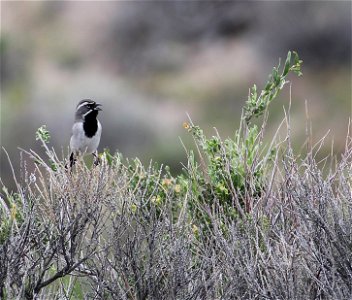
(151, 62)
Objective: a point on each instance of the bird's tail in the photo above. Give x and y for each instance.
(72, 160)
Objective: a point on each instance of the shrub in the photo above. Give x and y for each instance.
(244, 220)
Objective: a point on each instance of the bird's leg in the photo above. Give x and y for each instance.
(96, 158)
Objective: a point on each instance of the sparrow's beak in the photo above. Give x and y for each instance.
(97, 106)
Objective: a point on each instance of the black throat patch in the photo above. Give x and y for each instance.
(90, 124)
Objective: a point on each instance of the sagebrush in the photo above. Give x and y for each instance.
(245, 220)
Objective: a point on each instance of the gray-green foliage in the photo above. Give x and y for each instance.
(232, 171)
(42, 134)
(241, 222)
(257, 104)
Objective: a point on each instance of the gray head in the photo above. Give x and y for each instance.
(87, 107)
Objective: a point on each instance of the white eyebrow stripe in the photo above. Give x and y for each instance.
(83, 104)
(88, 112)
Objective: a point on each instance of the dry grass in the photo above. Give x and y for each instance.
(90, 233)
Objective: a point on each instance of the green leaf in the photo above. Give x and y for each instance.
(287, 64)
(42, 134)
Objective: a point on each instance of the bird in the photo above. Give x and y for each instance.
(86, 130)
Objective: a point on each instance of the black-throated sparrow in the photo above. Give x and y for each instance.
(86, 130)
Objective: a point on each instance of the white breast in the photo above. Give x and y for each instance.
(80, 142)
